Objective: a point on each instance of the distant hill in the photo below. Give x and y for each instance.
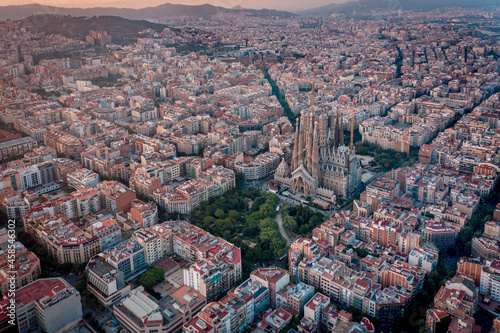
(363, 6)
(159, 12)
(122, 30)
(322, 11)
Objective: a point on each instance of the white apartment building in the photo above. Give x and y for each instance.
(83, 178)
(490, 279)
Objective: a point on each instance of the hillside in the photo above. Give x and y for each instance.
(159, 12)
(122, 30)
(363, 6)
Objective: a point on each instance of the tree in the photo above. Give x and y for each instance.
(151, 278)
(223, 224)
(240, 179)
(219, 213)
(452, 251)
(267, 210)
(356, 313)
(294, 322)
(147, 281)
(234, 214)
(361, 252)
(290, 223)
(81, 285)
(208, 221)
(158, 274)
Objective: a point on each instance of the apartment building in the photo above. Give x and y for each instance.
(144, 186)
(490, 279)
(423, 258)
(314, 308)
(83, 178)
(295, 297)
(441, 235)
(259, 167)
(454, 305)
(216, 263)
(115, 196)
(152, 243)
(188, 196)
(105, 282)
(403, 274)
(471, 267)
(51, 305)
(64, 241)
(273, 278)
(128, 257)
(13, 148)
(108, 231)
(41, 154)
(144, 214)
(66, 166)
(140, 312)
(255, 296)
(26, 266)
(274, 320)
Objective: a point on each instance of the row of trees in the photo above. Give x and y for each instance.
(300, 219)
(474, 228)
(414, 316)
(276, 92)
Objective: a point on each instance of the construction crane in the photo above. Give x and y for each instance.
(312, 82)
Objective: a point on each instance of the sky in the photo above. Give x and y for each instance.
(271, 4)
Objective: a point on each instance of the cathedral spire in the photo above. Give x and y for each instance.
(295, 155)
(310, 144)
(302, 143)
(341, 131)
(315, 156)
(336, 131)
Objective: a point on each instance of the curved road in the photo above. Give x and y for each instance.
(279, 219)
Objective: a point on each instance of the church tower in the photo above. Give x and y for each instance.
(302, 144)
(295, 155)
(310, 145)
(331, 169)
(315, 156)
(341, 131)
(337, 134)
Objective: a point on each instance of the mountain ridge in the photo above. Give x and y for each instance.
(350, 7)
(17, 12)
(121, 29)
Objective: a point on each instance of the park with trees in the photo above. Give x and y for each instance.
(246, 219)
(300, 219)
(386, 159)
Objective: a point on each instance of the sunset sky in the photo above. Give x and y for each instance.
(272, 4)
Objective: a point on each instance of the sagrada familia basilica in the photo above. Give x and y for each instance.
(321, 165)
